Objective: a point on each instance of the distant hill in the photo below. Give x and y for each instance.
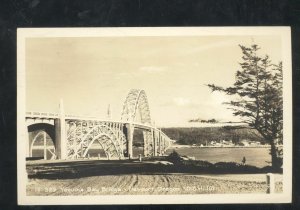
(201, 135)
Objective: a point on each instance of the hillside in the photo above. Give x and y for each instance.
(202, 135)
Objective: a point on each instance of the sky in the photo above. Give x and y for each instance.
(90, 74)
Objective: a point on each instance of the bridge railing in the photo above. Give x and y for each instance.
(42, 114)
(86, 118)
(56, 115)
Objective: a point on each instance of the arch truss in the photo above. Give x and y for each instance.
(136, 108)
(82, 134)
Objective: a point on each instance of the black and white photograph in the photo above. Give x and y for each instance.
(154, 115)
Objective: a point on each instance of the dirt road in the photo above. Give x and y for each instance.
(144, 184)
(96, 177)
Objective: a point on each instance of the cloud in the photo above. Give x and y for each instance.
(124, 75)
(179, 101)
(153, 69)
(220, 44)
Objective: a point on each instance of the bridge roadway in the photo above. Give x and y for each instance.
(49, 116)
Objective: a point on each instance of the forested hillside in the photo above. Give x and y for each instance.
(202, 135)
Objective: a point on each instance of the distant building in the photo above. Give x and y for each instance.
(244, 143)
(213, 142)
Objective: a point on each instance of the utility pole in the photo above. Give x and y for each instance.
(108, 112)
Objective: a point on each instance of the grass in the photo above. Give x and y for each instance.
(184, 164)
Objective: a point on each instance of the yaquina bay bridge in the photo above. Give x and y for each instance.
(74, 136)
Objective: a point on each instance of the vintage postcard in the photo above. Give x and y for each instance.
(154, 115)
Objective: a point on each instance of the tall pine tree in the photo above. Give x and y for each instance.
(258, 88)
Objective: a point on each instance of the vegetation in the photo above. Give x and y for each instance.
(198, 136)
(204, 121)
(185, 164)
(258, 97)
(203, 135)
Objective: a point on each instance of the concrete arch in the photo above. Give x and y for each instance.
(136, 110)
(35, 131)
(48, 128)
(46, 149)
(34, 140)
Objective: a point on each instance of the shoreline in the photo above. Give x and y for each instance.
(173, 146)
(190, 146)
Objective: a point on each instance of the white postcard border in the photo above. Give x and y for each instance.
(284, 197)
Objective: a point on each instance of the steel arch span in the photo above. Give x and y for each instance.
(136, 106)
(136, 110)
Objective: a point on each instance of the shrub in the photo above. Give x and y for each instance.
(198, 163)
(226, 165)
(232, 167)
(174, 157)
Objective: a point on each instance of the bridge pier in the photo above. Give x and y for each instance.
(28, 154)
(130, 129)
(159, 144)
(60, 134)
(154, 143)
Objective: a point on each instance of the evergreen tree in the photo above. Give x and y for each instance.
(258, 98)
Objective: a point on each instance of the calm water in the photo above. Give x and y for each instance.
(254, 156)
